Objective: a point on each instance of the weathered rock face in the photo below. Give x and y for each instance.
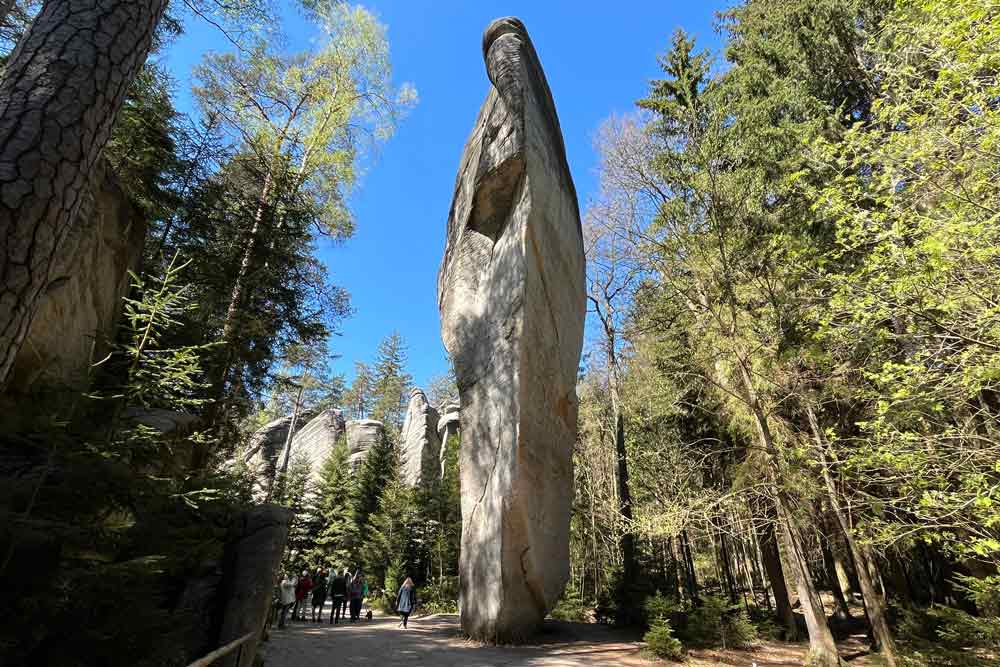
(421, 447)
(512, 297)
(267, 444)
(317, 438)
(448, 425)
(82, 303)
(362, 434)
(251, 574)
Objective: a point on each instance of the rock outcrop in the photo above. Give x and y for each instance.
(266, 445)
(420, 445)
(317, 438)
(512, 297)
(75, 322)
(448, 425)
(362, 435)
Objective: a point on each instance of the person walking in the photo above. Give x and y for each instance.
(318, 596)
(286, 597)
(338, 591)
(356, 592)
(406, 601)
(302, 589)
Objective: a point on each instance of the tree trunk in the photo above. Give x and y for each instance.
(288, 440)
(690, 576)
(833, 581)
(236, 296)
(822, 648)
(624, 494)
(727, 567)
(843, 563)
(768, 542)
(875, 606)
(60, 94)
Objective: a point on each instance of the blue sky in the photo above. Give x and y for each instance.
(598, 58)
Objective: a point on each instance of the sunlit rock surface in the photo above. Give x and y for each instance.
(512, 297)
(362, 434)
(421, 448)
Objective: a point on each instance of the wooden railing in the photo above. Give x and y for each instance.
(225, 650)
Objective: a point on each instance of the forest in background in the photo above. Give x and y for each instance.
(788, 405)
(789, 408)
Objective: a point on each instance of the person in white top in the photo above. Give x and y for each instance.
(287, 597)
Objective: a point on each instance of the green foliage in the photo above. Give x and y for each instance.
(104, 504)
(714, 622)
(913, 196)
(338, 534)
(390, 383)
(439, 596)
(159, 376)
(661, 641)
(571, 607)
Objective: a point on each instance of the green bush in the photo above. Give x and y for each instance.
(660, 607)
(571, 607)
(661, 641)
(717, 623)
(439, 597)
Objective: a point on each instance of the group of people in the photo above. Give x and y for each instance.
(347, 592)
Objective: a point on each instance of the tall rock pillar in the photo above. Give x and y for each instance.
(512, 297)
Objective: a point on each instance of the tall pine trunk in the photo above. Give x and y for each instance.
(822, 648)
(624, 494)
(875, 606)
(60, 94)
(768, 541)
(236, 296)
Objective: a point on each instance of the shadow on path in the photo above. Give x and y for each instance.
(437, 640)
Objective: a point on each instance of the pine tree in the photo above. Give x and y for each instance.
(338, 534)
(390, 382)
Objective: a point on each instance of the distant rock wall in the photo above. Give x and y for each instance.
(82, 304)
(421, 447)
(317, 439)
(362, 435)
(266, 446)
(421, 454)
(448, 426)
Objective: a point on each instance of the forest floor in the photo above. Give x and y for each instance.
(437, 640)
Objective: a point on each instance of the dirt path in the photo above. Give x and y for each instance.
(436, 640)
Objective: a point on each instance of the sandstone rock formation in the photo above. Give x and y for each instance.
(76, 319)
(448, 425)
(362, 434)
(316, 439)
(512, 297)
(420, 445)
(267, 444)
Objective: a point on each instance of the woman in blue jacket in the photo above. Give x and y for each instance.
(406, 600)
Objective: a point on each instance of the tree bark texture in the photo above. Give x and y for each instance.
(61, 92)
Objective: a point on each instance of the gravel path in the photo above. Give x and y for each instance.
(436, 640)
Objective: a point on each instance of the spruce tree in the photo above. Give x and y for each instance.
(390, 383)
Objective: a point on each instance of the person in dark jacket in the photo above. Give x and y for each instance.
(406, 601)
(338, 591)
(318, 596)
